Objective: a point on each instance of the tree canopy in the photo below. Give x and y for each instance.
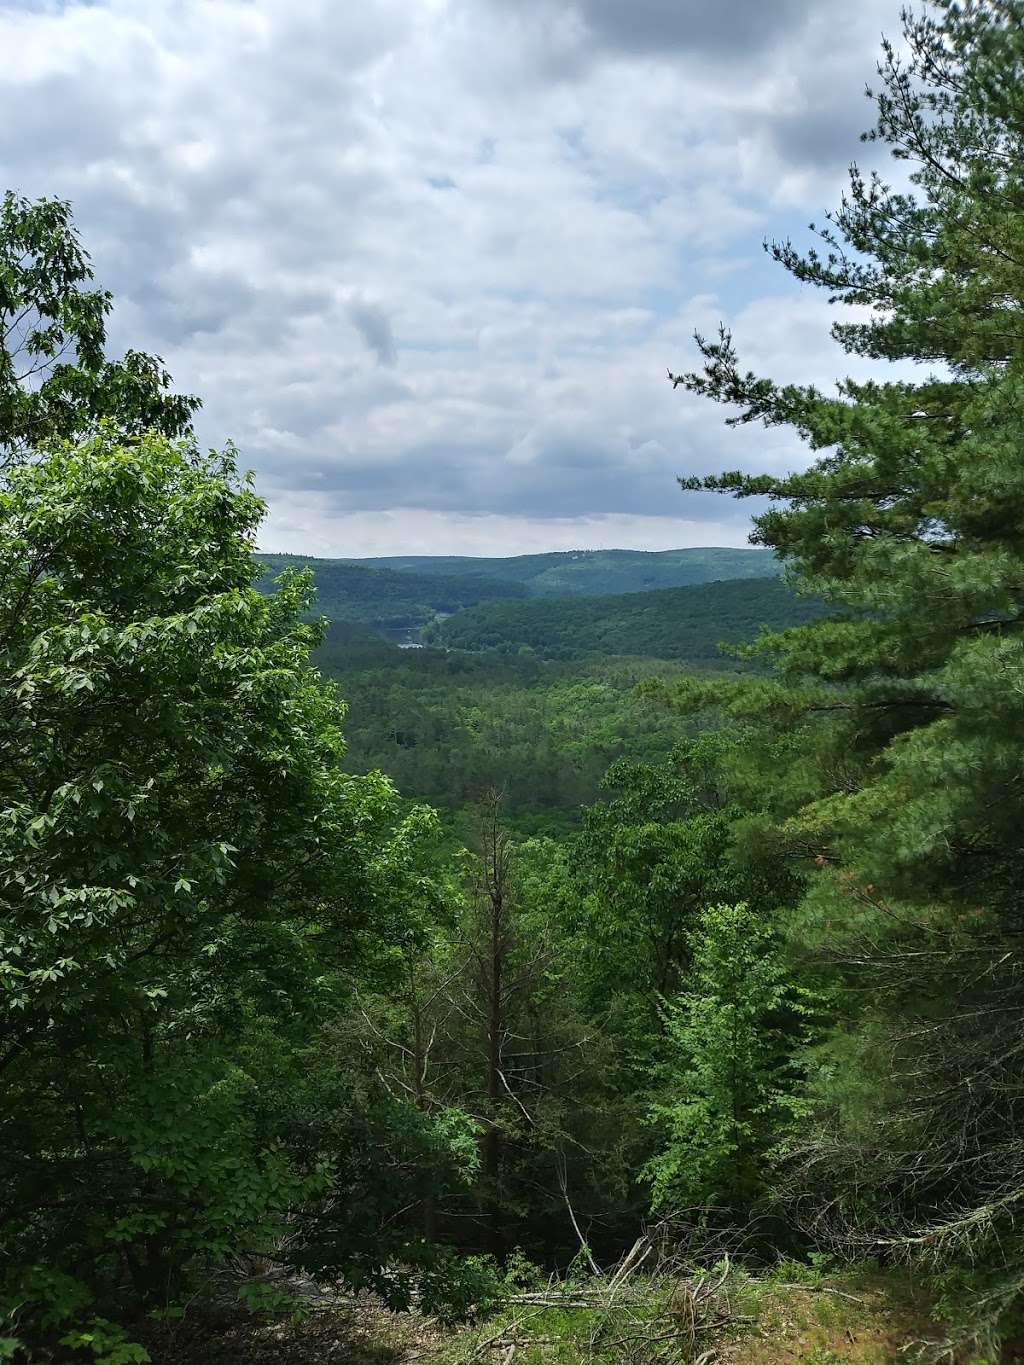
(902, 710)
(55, 377)
(767, 987)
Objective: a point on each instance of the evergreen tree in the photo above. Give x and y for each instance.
(902, 712)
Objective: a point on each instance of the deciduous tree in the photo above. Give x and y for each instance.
(55, 378)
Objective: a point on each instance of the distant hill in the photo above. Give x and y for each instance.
(588, 573)
(400, 594)
(669, 623)
(383, 598)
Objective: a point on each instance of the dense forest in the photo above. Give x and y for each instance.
(398, 596)
(594, 573)
(441, 723)
(671, 623)
(726, 1006)
(389, 601)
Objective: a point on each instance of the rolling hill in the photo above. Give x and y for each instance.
(586, 573)
(669, 623)
(383, 598)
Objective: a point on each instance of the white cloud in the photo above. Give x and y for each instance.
(427, 261)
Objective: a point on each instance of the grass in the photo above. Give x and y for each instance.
(726, 1317)
(795, 1313)
(723, 1316)
(823, 1317)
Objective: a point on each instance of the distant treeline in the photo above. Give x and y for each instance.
(591, 573)
(686, 624)
(403, 594)
(384, 598)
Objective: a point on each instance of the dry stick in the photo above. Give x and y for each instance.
(563, 1180)
(625, 1271)
(482, 1346)
(632, 1262)
(556, 1300)
(821, 1289)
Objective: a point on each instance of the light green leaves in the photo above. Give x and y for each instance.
(182, 862)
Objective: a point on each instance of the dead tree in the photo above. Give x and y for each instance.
(491, 949)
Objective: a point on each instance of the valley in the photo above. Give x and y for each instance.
(533, 695)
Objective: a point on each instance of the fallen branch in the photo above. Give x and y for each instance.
(491, 1341)
(563, 1180)
(820, 1289)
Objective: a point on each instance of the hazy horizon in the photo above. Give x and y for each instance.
(576, 550)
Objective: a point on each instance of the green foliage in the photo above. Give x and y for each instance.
(55, 380)
(673, 623)
(106, 1343)
(183, 865)
(398, 603)
(902, 716)
(448, 727)
(271, 1300)
(729, 1073)
(649, 860)
(456, 1288)
(591, 573)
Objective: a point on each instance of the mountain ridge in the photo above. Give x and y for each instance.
(399, 591)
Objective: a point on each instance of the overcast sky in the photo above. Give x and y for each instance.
(427, 261)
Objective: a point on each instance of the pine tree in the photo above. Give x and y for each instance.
(902, 714)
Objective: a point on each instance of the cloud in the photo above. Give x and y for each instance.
(729, 29)
(429, 262)
(374, 327)
(422, 531)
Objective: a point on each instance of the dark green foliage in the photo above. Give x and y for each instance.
(902, 721)
(399, 596)
(449, 726)
(671, 623)
(591, 573)
(184, 869)
(392, 602)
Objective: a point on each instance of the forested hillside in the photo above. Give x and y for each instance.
(686, 624)
(589, 573)
(389, 601)
(689, 1027)
(400, 595)
(442, 724)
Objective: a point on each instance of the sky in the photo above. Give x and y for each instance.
(427, 262)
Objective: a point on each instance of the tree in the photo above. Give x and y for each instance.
(188, 880)
(649, 859)
(404, 1020)
(729, 1075)
(903, 791)
(492, 943)
(55, 380)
